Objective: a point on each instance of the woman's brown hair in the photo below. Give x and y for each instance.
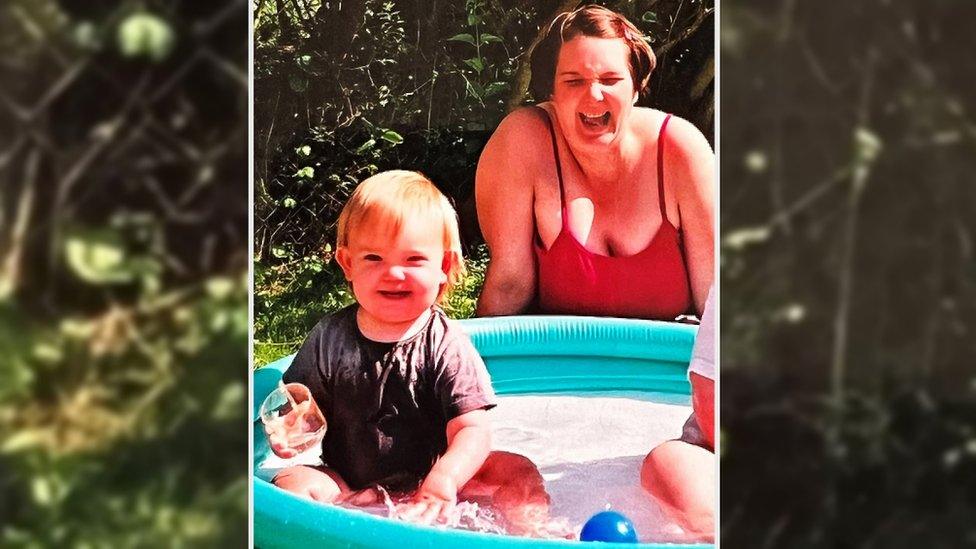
(597, 22)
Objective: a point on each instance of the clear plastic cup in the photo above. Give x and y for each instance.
(292, 420)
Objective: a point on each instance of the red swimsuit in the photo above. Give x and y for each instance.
(651, 284)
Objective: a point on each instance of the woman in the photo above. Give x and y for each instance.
(589, 204)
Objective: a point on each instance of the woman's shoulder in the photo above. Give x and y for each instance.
(519, 140)
(687, 153)
(680, 133)
(523, 125)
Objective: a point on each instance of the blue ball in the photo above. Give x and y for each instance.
(609, 526)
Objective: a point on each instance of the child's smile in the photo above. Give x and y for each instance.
(394, 294)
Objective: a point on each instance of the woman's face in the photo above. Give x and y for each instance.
(593, 90)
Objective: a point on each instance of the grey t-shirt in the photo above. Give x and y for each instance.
(387, 404)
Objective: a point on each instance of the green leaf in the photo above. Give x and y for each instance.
(392, 137)
(368, 145)
(23, 440)
(41, 490)
(97, 257)
(219, 287)
(486, 38)
(475, 63)
(230, 403)
(495, 88)
(465, 37)
(289, 202)
(48, 352)
(307, 172)
(304, 150)
(145, 35)
(477, 90)
(474, 19)
(297, 83)
(649, 17)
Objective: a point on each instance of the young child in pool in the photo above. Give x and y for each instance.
(403, 390)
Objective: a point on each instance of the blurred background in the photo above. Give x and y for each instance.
(848, 280)
(123, 273)
(847, 225)
(344, 90)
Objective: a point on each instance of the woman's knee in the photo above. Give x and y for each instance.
(680, 476)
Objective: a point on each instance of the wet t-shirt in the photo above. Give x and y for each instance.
(387, 404)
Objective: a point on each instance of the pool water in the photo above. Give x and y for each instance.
(589, 449)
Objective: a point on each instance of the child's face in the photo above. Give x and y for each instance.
(395, 277)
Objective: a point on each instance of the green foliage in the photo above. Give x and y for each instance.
(289, 299)
(463, 299)
(344, 90)
(145, 35)
(123, 287)
(847, 301)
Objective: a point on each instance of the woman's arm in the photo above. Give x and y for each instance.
(690, 163)
(504, 196)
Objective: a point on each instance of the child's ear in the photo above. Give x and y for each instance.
(636, 97)
(446, 266)
(344, 261)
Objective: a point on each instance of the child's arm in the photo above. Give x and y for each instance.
(468, 445)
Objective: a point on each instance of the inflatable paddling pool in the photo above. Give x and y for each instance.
(528, 354)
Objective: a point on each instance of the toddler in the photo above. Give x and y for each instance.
(403, 390)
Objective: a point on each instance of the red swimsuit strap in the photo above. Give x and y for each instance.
(559, 170)
(660, 167)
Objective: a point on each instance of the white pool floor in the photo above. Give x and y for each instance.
(589, 450)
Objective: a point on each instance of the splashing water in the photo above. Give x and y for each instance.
(472, 516)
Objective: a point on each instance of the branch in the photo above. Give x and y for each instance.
(664, 48)
(520, 84)
(10, 269)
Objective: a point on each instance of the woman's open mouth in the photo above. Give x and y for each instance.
(595, 120)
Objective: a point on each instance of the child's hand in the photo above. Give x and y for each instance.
(434, 500)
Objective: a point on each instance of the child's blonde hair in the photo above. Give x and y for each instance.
(392, 198)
